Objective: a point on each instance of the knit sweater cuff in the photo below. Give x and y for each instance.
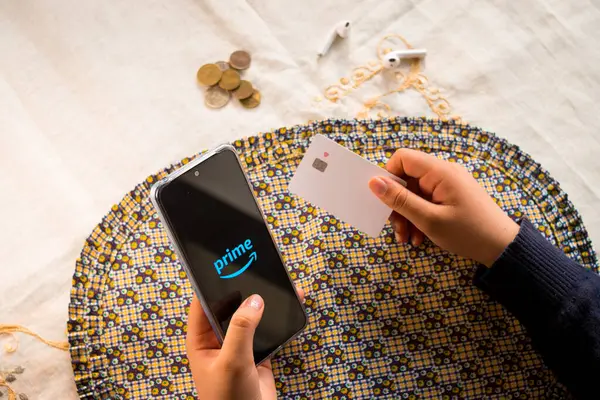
(530, 277)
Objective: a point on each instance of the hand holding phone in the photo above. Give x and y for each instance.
(229, 372)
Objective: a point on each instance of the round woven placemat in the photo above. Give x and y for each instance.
(385, 320)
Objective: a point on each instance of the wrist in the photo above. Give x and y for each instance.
(504, 236)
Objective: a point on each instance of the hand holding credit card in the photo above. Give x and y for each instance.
(336, 179)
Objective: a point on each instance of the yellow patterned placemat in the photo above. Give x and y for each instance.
(385, 320)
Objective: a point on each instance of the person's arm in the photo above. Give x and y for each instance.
(557, 300)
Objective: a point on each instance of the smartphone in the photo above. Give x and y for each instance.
(220, 235)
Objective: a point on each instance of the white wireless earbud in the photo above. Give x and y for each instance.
(342, 30)
(393, 58)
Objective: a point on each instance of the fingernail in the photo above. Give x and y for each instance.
(398, 237)
(378, 186)
(414, 241)
(254, 301)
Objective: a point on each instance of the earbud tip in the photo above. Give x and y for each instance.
(343, 29)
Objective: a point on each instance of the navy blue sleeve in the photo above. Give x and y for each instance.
(557, 301)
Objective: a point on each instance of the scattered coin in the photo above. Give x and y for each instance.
(10, 378)
(223, 80)
(244, 91)
(209, 74)
(239, 59)
(223, 65)
(230, 80)
(216, 97)
(19, 370)
(23, 396)
(252, 101)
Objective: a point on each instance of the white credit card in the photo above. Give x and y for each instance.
(336, 179)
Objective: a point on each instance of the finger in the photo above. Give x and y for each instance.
(200, 335)
(266, 364)
(416, 209)
(237, 346)
(266, 380)
(300, 292)
(265, 369)
(414, 233)
(400, 226)
(416, 236)
(413, 163)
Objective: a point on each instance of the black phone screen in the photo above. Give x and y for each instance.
(227, 246)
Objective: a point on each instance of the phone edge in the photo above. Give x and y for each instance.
(154, 191)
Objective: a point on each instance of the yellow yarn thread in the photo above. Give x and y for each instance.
(415, 80)
(10, 330)
(12, 395)
(7, 329)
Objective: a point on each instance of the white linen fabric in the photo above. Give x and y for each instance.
(96, 95)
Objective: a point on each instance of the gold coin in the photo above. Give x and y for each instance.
(223, 65)
(252, 101)
(216, 97)
(244, 91)
(239, 59)
(230, 79)
(209, 74)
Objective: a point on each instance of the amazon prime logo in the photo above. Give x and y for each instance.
(232, 256)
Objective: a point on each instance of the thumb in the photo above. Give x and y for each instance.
(237, 345)
(411, 206)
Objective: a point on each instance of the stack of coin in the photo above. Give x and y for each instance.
(223, 79)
